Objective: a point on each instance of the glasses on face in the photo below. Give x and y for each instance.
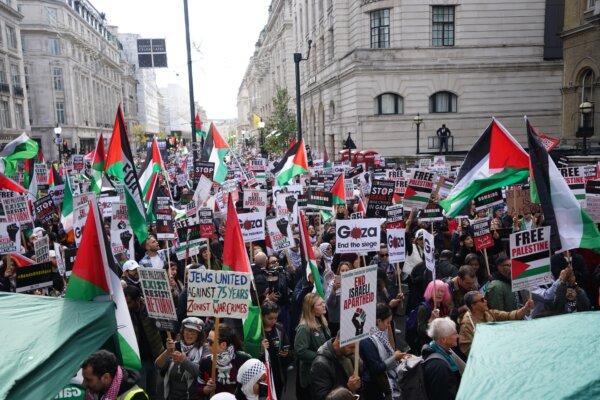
(481, 300)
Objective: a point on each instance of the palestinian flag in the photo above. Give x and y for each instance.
(54, 178)
(96, 277)
(572, 228)
(215, 149)
(98, 166)
(119, 166)
(252, 327)
(66, 211)
(20, 260)
(198, 127)
(311, 268)
(22, 148)
(293, 163)
(152, 168)
(235, 257)
(338, 191)
(495, 161)
(8, 184)
(28, 169)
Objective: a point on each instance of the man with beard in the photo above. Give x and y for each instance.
(499, 294)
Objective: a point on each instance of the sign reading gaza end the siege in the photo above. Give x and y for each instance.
(358, 304)
(482, 237)
(252, 226)
(357, 235)
(396, 245)
(488, 200)
(223, 294)
(530, 258)
(157, 293)
(380, 197)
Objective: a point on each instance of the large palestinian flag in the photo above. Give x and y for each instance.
(96, 277)
(572, 227)
(235, 257)
(495, 161)
(307, 250)
(22, 148)
(293, 163)
(119, 167)
(153, 167)
(98, 166)
(338, 190)
(215, 149)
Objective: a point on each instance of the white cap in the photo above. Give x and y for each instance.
(38, 231)
(130, 265)
(223, 396)
(51, 254)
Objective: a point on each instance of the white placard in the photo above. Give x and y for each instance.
(10, 238)
(255, 199)
(357, 235)
(157, 293)
(41, 249)
(252, 226)
(280, 232)
(202, 192)
(396, 245)
(358, 304)
(222, 294)
(429, 252)
(79, 217)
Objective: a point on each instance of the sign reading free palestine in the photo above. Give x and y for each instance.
(530, 258)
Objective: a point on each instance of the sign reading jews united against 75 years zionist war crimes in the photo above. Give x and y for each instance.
(218, 294)
(358, 300)
(357, 235)
(530, 258)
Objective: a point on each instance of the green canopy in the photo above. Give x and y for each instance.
(45, 340)
(547, 358)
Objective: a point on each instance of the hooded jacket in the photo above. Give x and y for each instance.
(327, 372)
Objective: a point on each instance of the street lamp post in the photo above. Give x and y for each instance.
(418, 120)
(297, 59)
(587, 126)
(190, 78)
(58, 141)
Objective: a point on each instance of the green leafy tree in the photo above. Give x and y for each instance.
(282, 124)
(138, 132)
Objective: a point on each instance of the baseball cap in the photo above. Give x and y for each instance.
(130, 265)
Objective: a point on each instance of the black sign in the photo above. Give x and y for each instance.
(431, 213)
(164, 219)
(205, 219)
(382, 193)
(395, 215)
(488, 200)
(152, 53)
(34, 276)
(189, 233)
(320, 199)
(592, 187)
(70, 254)
(203, 168)
(45, 209)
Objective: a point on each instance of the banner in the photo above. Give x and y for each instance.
(357, 235)
(41, 173)
(395, 216)
(157, 293)
(429, 252)
(16, 211)
(358, 304)
(252, 226)
(256, 199)
(488, 200)
(280, 232)
(223, 294)
(530, 258)
(10, 238)
(380, 197)
(45, 210)
(592, 199)
(41, 249)
(164, 219)
(32, 277)
(575, 178)
(79, 218)
(396, 245)
(482, 236)
(419, 190)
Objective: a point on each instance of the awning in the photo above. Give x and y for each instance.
(547, 358)
(45, 340)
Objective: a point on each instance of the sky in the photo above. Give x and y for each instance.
(223, 34)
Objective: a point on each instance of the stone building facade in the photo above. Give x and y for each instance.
(375, 64)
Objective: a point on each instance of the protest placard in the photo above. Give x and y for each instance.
(121, 234)
(164, 219)
(396, 245)
(530, 258)
(518, 201)
(10, 238)
(393, 174)
(349, 188)
(482, 236)
(78, 164)
(256, 199)
(60, 261)
(356, 215)
(45, 210)
(202, 192)
(319, 199)
(106, 204)
(357, 235)
(157, 294)
(358, 304)
(380, 197)
(204, 168)
(280, 232)
(222, 294)
(189, 248)
(206, 223)
(32, 277)
(41, 173)
(419, 189)
(70, 254)
(253, 226)
(431, 213)
(41, 249)
(592, 199)
(16, 210)
(57, 193)
(395, 216)
(429, 252)
(79, 218)
(286, 206)
(575, 178)
(258, 164)
(83, 199)
(488, 200)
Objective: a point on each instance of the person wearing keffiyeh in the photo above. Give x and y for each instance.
(104, 379)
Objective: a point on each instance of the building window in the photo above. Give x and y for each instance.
(57, 78)
(61, 117)
(587, 85)
(4, 114)
(19, 116)
(442, 102)
(389, 103)
(442, 27)
(54, 46)
(52, 14)
(380, 29)
(591, 4)
(11, 37)
(15, 76)
(2, 72)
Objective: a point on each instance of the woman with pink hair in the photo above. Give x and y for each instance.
(437, 304)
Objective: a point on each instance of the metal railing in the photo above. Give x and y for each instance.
(433, 143)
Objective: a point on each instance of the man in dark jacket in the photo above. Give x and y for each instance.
(444, 269)
(440, 368)
(333, 367)
(103, 376)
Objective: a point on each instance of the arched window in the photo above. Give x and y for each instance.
(442, 102)
(587, 85)
(389, 103)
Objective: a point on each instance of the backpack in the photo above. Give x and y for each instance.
(412, 378)
(411, 321)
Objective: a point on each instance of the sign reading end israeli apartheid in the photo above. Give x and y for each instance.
(222, 294)
(157, 294)
(357, 235)
(357, 304)
(530, 258)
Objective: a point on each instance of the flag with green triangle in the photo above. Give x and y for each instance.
(338, 191)
(98, 166)
(215, 149)
(293, 163)
(21, 148)
(307, 250)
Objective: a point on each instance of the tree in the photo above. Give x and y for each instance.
(281, 126)
(138, 131)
